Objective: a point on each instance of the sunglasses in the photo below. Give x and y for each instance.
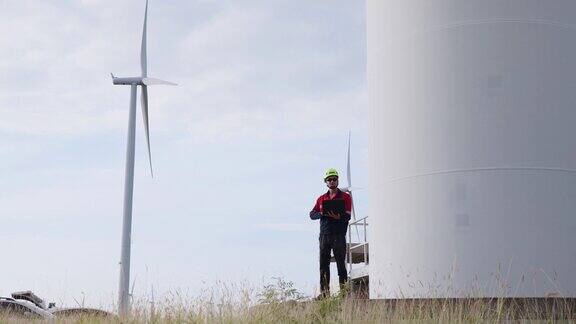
(331, 179)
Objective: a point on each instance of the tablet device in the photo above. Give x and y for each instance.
(336, 206)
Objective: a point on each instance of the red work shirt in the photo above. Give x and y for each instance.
(340, 195)
(329, 225)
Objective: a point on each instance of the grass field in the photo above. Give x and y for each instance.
(279, 302)
(338, 310)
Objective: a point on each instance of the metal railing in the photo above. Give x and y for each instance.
(362, 241)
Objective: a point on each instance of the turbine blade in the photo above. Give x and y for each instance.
(348, 174)
(153, 81)
(143, 55)
(349, 189)
(354, 217)
(144, 103)
(353, 211)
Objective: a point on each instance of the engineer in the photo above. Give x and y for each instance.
(333, 227)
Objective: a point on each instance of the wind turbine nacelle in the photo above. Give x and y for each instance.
(127, 81)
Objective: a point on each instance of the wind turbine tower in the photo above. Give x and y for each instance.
(143, 81)
(472, 159)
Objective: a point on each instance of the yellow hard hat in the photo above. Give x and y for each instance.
(331, 172)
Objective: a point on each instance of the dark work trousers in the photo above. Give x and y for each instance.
(337, 244)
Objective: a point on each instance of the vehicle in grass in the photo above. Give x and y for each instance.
(21, 309)
(28, 298)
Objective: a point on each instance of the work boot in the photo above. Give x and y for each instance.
(323, 295)
(344, 291)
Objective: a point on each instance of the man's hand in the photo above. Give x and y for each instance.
(333, 215)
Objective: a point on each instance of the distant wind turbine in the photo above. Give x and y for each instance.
(144, 81)
(349, 189)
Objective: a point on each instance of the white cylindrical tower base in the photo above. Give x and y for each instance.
(472, 152)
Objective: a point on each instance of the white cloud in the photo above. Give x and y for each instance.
(60, 193)
(295, 118)
(287, 227)
(235, 28)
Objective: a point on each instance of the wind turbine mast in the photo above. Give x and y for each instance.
(133, 82)
(349, 189)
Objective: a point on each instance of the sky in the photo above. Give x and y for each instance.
(267, 93)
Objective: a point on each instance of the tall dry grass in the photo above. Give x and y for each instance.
(280, 302)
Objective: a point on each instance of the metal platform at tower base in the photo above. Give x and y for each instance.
(358, 252)
(357, 258)
(358, 281)
(358, 273)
